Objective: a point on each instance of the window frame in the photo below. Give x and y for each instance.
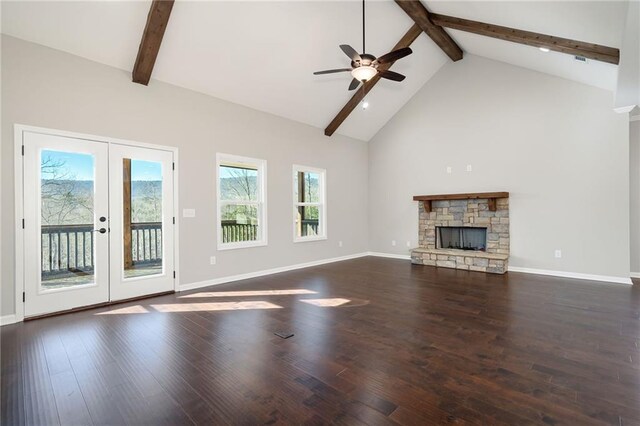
(322, 205)
(248, 162)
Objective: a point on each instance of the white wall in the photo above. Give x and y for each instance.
(48, 88)
(555, 145)
(634, 193)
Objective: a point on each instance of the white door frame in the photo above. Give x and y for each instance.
(19, 129)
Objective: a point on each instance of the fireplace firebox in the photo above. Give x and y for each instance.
(461, 238)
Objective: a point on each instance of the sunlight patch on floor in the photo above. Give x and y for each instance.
(210, 307)
(137, 309)
(249, 293)
(338, 301)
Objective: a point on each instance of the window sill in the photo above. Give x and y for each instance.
(240, 245)
(309, 239)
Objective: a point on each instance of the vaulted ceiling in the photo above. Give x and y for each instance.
(262, 54)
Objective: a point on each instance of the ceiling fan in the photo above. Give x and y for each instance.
(364, 66)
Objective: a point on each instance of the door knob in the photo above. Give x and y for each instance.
(101, 230)
(103, 219)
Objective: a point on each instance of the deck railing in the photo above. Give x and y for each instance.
(309, 227)
(146, 243)
(68, 249)
(233, 232)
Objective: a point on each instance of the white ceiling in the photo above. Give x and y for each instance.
(262, 54)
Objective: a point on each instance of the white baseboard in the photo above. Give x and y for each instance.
(563, 274)
(577, 275)
(7, 319)
(389, 255)
(232, 278)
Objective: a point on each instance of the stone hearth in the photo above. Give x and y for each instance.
(492, 214)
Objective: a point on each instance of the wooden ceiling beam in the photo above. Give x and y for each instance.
(157, 20)
(421, 16)
(572, 47)
(405, 41)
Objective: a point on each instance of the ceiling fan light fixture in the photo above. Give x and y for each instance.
(364, 73)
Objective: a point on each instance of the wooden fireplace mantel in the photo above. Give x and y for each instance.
(491, 196)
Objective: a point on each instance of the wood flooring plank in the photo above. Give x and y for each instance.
(72, 408)
(40, 404)
(12, 400)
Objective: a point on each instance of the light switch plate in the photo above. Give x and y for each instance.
(189, 213)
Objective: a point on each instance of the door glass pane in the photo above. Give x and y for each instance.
(307, 221)
(142, 224)
(67, 220)
(239, 223)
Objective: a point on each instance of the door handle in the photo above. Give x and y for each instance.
(101, 230)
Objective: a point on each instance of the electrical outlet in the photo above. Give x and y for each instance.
(212, 260)
(449, 169)
(408, 243)
(393, 243)
(469, 168)
(558, 254)
(339, 243)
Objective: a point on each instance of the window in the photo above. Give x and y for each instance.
(241, 202)
(309, 208)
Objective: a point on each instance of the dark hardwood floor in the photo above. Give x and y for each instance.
(380, 342)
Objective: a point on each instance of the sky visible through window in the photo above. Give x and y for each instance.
(79, 166)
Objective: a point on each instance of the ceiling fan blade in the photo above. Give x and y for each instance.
(390, 75)
(354, 84)
(394, 56)
(350, 52)
(332, 71)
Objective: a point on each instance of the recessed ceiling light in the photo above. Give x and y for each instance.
(365, 104)
(544, 49)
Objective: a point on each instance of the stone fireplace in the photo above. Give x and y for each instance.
(464, 231)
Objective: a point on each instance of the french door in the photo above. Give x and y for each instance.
(98, 222)
(141, 211)
(66, 203)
